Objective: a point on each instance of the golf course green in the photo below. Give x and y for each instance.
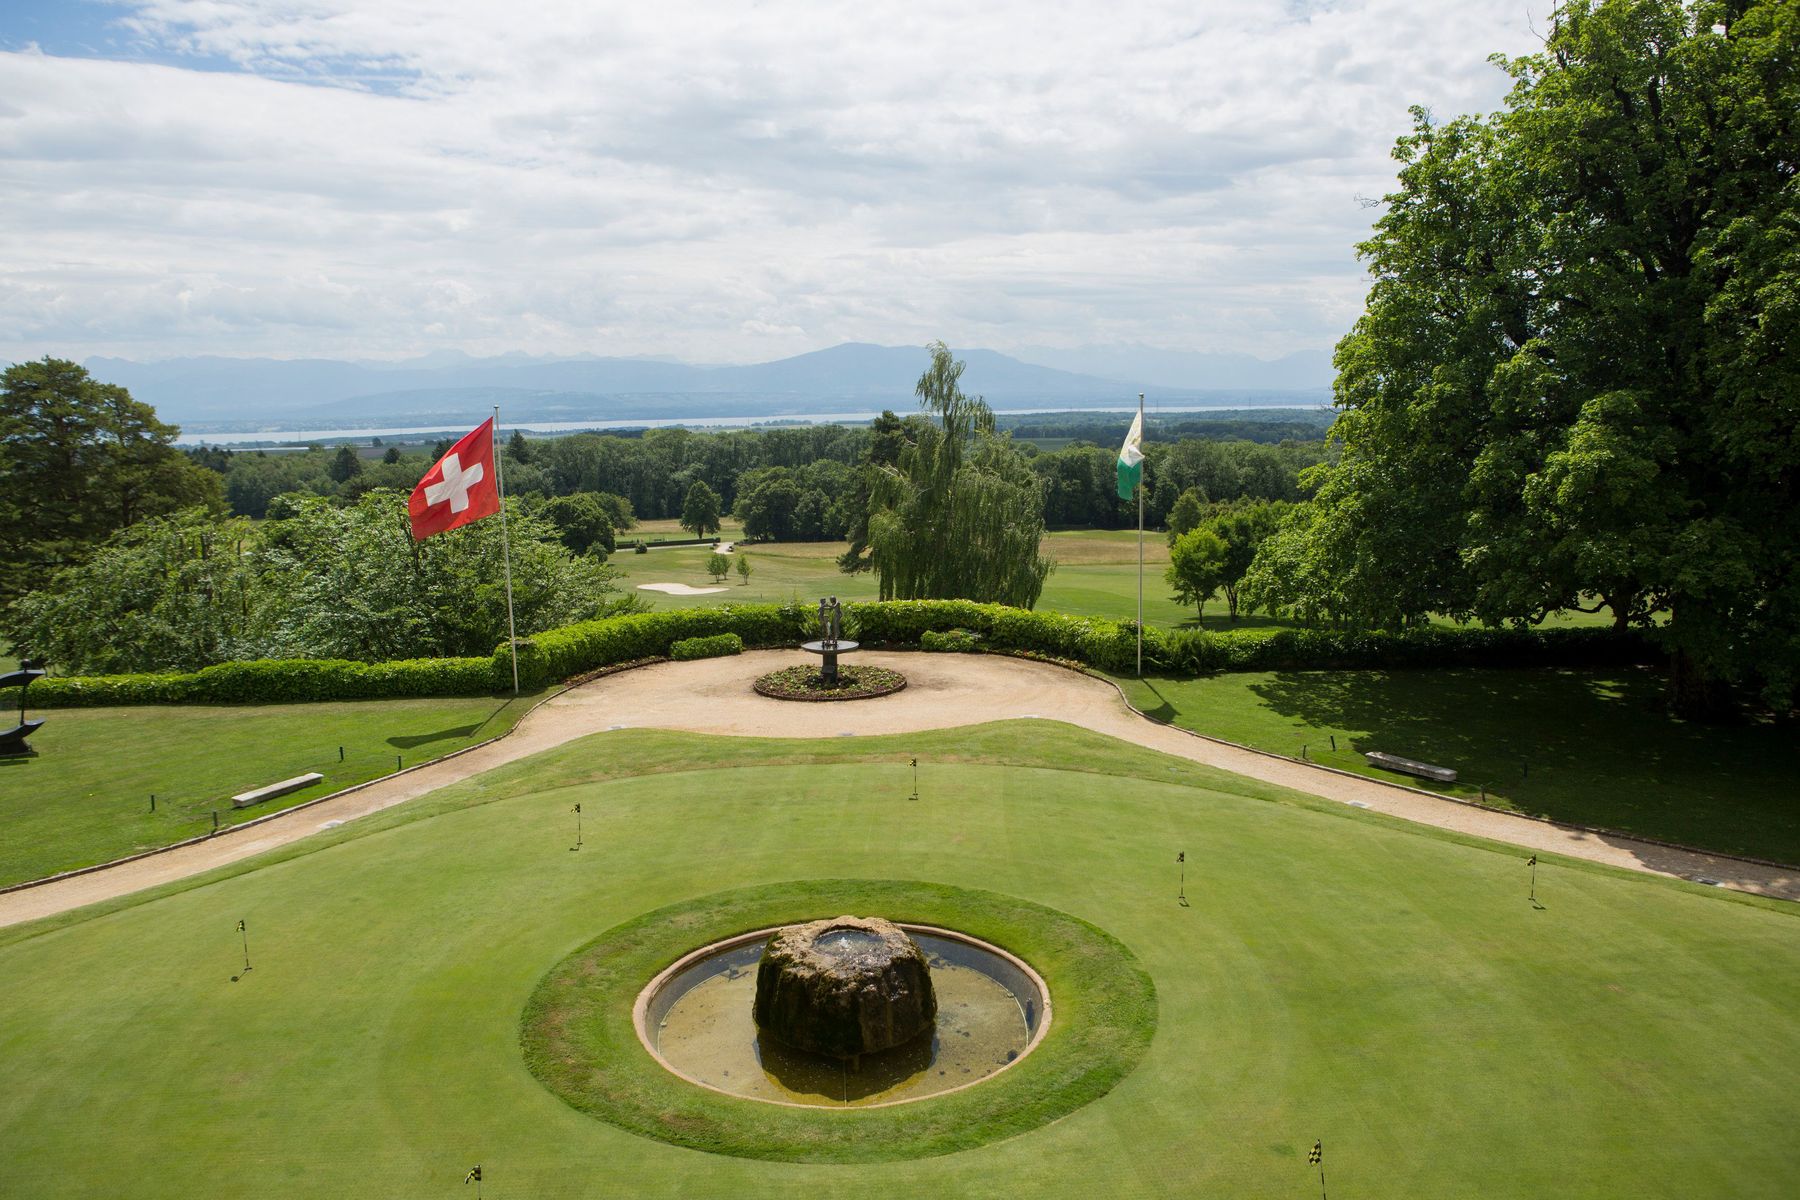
(1338, 976)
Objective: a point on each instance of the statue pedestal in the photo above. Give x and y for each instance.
(829, 651)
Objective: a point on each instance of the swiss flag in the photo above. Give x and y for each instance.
(461, 488)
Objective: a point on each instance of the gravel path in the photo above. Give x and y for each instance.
(944, 691)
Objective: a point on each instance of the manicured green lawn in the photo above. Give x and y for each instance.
(1338, 976)
(1592, 747)
(85, 797)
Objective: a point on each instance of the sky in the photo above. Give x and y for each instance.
(714, 182)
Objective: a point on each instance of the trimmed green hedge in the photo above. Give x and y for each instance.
(1108, 645)
(717, 645)
(954, 641)
(269, 681)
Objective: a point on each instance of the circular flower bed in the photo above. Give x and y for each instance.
(854, 683)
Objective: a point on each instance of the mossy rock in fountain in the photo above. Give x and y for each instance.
(844, 987)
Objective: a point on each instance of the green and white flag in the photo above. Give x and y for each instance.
(1131, 458)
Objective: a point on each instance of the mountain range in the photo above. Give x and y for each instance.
(213, 394)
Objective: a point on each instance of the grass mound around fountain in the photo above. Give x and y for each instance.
(806, 683)
(579, 1041)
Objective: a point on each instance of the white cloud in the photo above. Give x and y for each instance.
(716, 181)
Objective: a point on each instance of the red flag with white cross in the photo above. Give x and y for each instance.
(462, 486)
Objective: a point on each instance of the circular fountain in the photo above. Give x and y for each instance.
(843, 988)
(843, 1012)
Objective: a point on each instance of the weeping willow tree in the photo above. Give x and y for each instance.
(960, 515)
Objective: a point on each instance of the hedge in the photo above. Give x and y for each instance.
(955, 641)
(574, 650)
(717, 645)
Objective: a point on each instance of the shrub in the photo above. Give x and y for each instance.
(706, 647)
(958, 641)
(641, 547)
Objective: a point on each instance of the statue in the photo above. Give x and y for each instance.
(831, 622)
(830, 642)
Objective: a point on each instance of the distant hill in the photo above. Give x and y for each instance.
(217, 394)
(1188, 371)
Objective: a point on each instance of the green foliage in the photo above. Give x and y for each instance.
(718, 566)
(313, 581)
(583, 521)
(345, 465)
(955, 641)
(1198, 563)
(715, 646)
(1570, 381)
(80, 460)
(744, 568)
(700, 511)
(798, 504)
(1188, 512)
(275, 682)
(961, 513)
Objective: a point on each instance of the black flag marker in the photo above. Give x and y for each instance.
(577, 844)
(1317, 1159)
(1532, 863)
(473, 1176)
(1181, 896)
(244, 932)
(1181, 856)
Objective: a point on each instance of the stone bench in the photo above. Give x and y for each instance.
(246, 799)
(1407, 766)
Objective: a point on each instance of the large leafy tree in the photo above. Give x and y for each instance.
(959, 515)
(700, 511)
(1574, 382)
(79, 460)
(312, 581)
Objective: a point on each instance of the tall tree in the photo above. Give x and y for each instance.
(80, 459)
(700, 511)
(1574, 377)
(960, 514)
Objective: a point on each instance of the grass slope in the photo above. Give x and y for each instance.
(1591, 747)
(1339, 976)
(85, 797)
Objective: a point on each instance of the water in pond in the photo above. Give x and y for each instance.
(988, 1011)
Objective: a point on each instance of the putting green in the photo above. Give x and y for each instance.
(1337, 976)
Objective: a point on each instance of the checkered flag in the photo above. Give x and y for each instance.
(578, 810)
(1181, 856)
(1532, 861)
(473, 1176)
(1317, 1154)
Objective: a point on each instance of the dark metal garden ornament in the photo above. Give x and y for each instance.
(12, 741)
(830, 642)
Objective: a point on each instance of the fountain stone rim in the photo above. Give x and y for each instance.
(640, 1010)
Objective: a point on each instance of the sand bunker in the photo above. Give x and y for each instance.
(677, 589)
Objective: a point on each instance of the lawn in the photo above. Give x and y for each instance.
(1591, 747)
(1338, 976)
(85, 797)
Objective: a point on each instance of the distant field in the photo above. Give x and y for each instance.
(1591, 747)
(669, 529)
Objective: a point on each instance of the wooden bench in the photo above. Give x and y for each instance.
(246, 799)
(1407, 766)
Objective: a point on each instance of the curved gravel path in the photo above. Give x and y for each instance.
(944, 691)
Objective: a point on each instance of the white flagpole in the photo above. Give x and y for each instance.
(1140, 491)
(512, 638)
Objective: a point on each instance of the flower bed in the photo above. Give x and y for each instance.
(854, 683)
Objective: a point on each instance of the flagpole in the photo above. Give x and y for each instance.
(1140, 621)
(512, 638)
